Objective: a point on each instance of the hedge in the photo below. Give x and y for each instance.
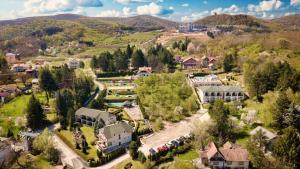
(114, 74)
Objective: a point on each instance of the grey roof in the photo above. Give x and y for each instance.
(266, 132)
(116, 129)
(93, 113)
(220, 88)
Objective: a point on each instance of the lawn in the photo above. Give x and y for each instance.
(13, 109)
(36, 162)
(190, 155)
(135, 165)
(264, 109)
(67, 137)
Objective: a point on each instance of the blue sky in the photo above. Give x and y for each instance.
(177, 10)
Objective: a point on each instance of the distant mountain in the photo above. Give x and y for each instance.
(288, 22)
(234, 20)
(139, 23)
(143, 22)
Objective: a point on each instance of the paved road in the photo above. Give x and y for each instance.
(68, 156)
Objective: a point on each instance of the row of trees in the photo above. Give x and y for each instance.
(181, 45)
(260, 78)
(112, 62)
(158, 57)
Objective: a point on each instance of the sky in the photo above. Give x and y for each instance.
(177, 10)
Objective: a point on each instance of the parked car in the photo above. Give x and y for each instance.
(163, 148)
(152, 151)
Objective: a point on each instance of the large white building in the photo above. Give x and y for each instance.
(209, 80)
(114, 136)
(226, 93)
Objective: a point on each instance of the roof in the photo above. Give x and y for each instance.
(270, 135)
(116, 129)
(189, 58)
(93, 113)
(234, 154)
(229, 151)
(210, 150)
(145, 69)
(220, 89)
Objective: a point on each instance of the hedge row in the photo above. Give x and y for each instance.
(114, 74)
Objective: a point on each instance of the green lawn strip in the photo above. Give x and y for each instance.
(135, 164)
(67, 137)
(190, 155)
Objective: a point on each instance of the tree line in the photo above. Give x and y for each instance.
(260, 78)
(70, 93)
(157, 57)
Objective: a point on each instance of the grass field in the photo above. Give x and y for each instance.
(190, 155)
(135, 165)
(16, 108)
(36, 162)
(67, 137)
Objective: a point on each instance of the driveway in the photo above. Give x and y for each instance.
(134, 113)
(69, 157)
(171, 132)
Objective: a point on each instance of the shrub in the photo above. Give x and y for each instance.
(141, 157)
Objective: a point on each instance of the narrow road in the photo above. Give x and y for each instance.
(68, 156)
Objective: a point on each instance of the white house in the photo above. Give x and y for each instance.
(91, 116)
(114, 136)
(74, 63)
(226, 93)
(144, 71)
(228, 156)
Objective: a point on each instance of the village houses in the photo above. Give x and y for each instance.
(229, 156)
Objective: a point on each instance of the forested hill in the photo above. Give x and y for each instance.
(224, 19)
(289, 22)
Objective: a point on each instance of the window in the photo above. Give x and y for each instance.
(241, 163)
(215, 163)
(119, 136)
(229, 162)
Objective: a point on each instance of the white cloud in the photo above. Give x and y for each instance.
(233, 9)
(153, 9)
(266, 5)
(185, 5)
(126, 2)
(34, 7)
(126, 11)
(110, 13)
(194, 16)
(295, 2)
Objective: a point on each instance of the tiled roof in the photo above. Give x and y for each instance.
(220, 88)
(116, 129)
(234, 154)
(93, 113)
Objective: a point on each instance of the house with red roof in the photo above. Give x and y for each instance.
(229, 156)
(190, 63)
